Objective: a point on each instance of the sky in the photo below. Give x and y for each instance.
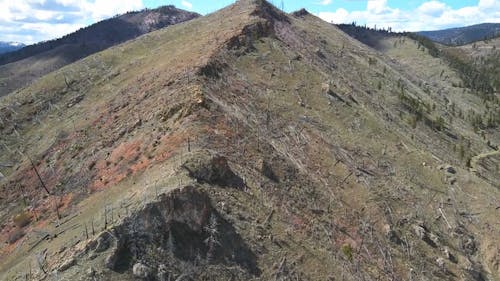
(31, 21)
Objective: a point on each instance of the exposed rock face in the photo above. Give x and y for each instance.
(67, 264)
(301, 13)
(451, 170)
(162, 274)
(317, 194)
(440, 262)
(141, 271)
(391, 234)
(265, 10)
(101, 243)
(265, 168)
(419, 231)
(246, 39)
(277, 169)
(182, 227)
(423, 233)
(212, 169)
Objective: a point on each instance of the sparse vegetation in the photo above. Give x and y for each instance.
(426, 43)
(33, 61)
(464, 35)
(347, 251)
(22, 219)
(413, 105)
(15, 235)
(185, 154)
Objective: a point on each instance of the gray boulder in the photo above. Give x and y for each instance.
(141, 271)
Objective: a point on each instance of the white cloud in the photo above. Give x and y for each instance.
(70, 2)
(186, 4)
(488, 4)
(431, 15)
(433, 8)
(43, 15)
(325, 2)
(30, 21)
(105, 8)
(376, 6)
(49, 30)
(339, 16)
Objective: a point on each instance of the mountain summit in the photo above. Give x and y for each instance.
(6, 47)
(250, 144)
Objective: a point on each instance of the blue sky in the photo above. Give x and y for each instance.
(31, 21)
(204, 7)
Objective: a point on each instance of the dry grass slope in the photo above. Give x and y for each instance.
(311, 154)
(21, 68)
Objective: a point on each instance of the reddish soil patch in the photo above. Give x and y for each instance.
(114, 169)
(168, 144)
(131, 157)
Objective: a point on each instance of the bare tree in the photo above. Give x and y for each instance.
(213, 237)
(171, 244)
(41, 260)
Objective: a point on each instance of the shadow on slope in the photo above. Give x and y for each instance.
(182, 230)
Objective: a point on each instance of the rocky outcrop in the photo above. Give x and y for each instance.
(67, 264)
(181, 229)
(141, 271)
(301, 13)
(212, 169)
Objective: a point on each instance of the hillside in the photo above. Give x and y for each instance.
(480, 49)
(248, 144)
(21, 67)
(6, 47)
(483, 56)
(368, 36)
(475, 67)
(463, 35)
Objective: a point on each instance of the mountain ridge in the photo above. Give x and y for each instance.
(463, 35)
(261, 146)
(6, 47)
(21, 67)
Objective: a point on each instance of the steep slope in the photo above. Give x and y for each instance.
(6, 47)
(480, 49)
(441, 70)
(483, 56)
(369, 36)
(467, 111)
(20, 68)
(279, 154)
(463, 35)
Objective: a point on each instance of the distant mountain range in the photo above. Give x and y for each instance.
(107, 32)
(23, 66)
(463, 35)
(6, 47)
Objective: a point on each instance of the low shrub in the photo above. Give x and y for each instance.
(15, 235)
(22, 219)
